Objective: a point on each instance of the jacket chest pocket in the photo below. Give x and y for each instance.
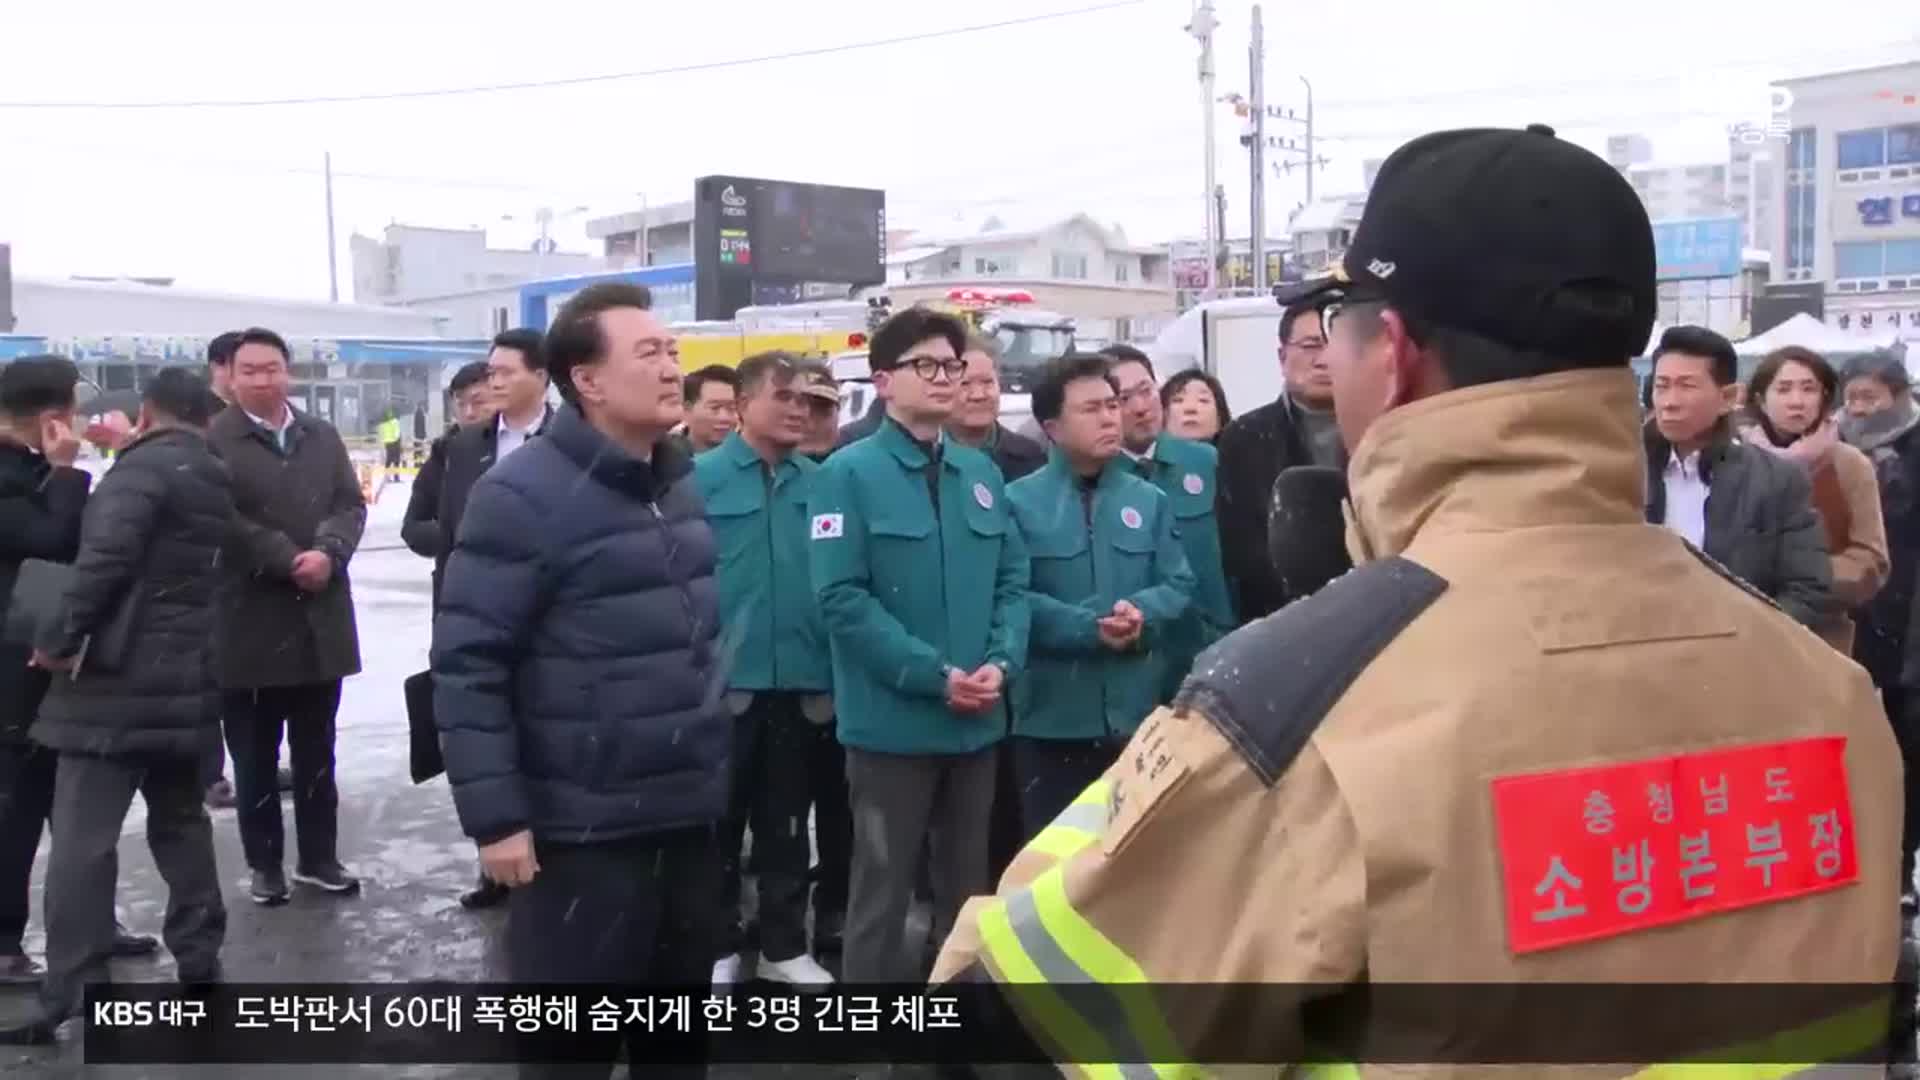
(733, 517)
(1059, 561)
(1191, 513)
(902, 553)
(1130, 558)
(986, 526)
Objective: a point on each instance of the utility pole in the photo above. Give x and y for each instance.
(645, 212)
(1217, 258)
(1310, 161)
(542, 217)
(1257, 189)
(333, 266)
(1202, 28)
(1288, 148)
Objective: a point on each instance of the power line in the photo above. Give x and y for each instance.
(1615, 123)
(1692, 75)
(578, 80)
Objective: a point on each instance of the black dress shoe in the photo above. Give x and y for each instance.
(127, 944)
(486, 893)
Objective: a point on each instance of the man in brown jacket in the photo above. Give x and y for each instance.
(286, 637)
(1531, 739)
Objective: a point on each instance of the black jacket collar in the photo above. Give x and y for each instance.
(236, 422)
(601, 459)
(492, 427)
(160, 436)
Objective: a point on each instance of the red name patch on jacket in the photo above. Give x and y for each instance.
(1596, 852)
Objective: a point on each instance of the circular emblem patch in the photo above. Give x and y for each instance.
(1129, 517)
(982, 496)
(1193, 483)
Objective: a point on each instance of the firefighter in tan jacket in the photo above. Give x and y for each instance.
(1529, 740)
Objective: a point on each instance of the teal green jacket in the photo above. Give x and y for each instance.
(1087, 555)
(770, 628)
(1186, 471)
(907, 594)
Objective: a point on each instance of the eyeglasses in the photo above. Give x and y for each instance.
(928, 366)
(1330, 312)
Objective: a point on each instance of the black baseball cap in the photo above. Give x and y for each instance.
(1517, 236)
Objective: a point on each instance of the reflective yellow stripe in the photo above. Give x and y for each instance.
(1077, 827)
(1061, 841)
(1037, 1000)
(1332, 1070)
(1095, 794)
(1107, 963)
(1833, 1039)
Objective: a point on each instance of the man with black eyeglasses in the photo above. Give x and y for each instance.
(1297, 428)
(922, 580)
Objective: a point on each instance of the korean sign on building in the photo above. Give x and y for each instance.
(1696, 248)
(1595, 852)
(1885, 209)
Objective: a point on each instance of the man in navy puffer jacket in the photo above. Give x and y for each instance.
(578, 681)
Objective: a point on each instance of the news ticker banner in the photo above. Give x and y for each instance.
(976, 1023)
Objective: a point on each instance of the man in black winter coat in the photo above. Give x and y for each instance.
(42, 497)
(134, 695)
(1748, 509)
(508, 408)
(1297, 428)
(286, 635)
(438, 499)
(577, 672)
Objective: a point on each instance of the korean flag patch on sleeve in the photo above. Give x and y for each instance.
(829, 526)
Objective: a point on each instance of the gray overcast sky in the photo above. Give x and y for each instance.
(1095, 112)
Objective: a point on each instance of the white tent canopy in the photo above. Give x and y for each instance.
(1810, 333)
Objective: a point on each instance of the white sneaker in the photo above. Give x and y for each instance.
(802, 973)
(726, 971)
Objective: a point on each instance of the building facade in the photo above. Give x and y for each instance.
(1115, 290)
(351, 362)
(1848, 196)
(650, 236)
(411, 262)
(1741, 186)
(1320, 231)
(93, 307)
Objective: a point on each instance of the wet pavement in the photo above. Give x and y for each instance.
(403, 841)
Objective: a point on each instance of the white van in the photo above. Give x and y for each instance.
(1235, 341)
